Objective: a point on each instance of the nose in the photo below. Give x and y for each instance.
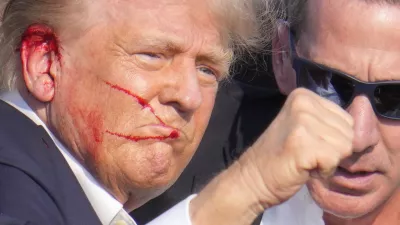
(366, 133)
(182, 89)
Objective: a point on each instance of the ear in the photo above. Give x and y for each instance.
(39, 52)
(285, 75)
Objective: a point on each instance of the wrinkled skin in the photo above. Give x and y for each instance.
(360, 39)
(132, 93)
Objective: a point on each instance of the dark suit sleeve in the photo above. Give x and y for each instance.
(6, 220)
(23, 201)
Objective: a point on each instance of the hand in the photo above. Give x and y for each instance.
(310, 137)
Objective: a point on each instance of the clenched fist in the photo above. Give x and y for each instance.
(310, 137)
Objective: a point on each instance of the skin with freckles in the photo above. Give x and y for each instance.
(360, 39)
(133, 94)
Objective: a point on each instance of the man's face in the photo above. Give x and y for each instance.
(137, 89)
(360, 39)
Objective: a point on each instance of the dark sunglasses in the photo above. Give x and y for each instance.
(341, 88)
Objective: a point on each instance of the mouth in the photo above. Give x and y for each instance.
(344, 172)
(151, 133)
(351, 182)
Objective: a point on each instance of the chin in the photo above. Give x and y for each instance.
(341, 204)
(152, 177)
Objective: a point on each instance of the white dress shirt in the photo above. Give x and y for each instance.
(298, 210)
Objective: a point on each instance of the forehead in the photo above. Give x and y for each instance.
(183, 19)
(180, 26)
(354, 36)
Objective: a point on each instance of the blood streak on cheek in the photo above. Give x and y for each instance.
(95, 123)
(90, 130)
(173, 135)
(139, 99)
(94, 136)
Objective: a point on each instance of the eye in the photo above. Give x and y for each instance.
(208, 71)
(149, 60)
(149, 56)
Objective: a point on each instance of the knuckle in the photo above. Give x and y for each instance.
(298, 131)
(298, 98)
(302, 120)
(297, 140)
(301, 104)
(347, 148)
(301, 91)
(342, 148)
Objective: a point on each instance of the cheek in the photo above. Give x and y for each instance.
(85, 116)
(200, 118)
(391, 140)
(203, 114)
(89, 125)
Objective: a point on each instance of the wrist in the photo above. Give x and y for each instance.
(228, 199)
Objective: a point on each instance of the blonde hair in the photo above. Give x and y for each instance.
(17, 17)
(241, 21)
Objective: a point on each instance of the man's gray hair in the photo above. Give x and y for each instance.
(241, 21)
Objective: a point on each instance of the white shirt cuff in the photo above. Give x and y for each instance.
(178, 214)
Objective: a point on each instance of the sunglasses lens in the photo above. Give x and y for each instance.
(344, 87)
(387, 100)
(325, 83)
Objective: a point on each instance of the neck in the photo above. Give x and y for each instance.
(387, 213)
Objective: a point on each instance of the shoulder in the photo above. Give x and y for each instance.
(36, 182)
(25, 145)
(23, 199)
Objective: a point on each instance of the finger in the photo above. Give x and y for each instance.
(320, 147)
(335, 109)
(329, 128)
(304, 101)
(330, 139)
(340, 139)
(337, 124)
(328, 163)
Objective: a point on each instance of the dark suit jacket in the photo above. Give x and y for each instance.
(243, 110)
(36, 184)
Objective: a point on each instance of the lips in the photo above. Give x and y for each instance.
(353, 182)
(150, 133)
(353, 174)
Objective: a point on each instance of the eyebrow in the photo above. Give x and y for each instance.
(214, 55)
(222, 58)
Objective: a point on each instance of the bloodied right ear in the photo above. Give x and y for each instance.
(40, 57)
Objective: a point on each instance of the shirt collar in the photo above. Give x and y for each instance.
(105, 206)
